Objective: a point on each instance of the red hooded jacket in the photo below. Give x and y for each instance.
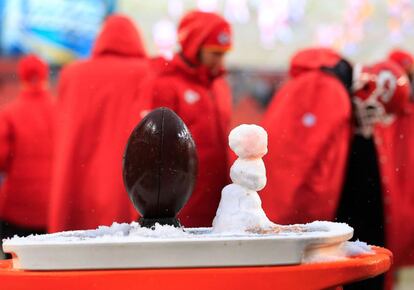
(25, 149)
(204, 103)
(309, 129)
(309, 125)
(399, 147)
(96, 116)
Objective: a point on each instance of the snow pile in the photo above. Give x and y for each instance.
(240, 209)
(158, 231)
(115, 233)
(352, 249)
(337, 253)
(133, 232)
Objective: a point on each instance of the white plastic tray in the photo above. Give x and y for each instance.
(199, 249)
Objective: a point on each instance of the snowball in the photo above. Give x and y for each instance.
(239, 211)
(250, 202)
(229, 197)
(248, 141)
(249, 173)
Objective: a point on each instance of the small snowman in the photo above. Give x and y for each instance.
(240, 209)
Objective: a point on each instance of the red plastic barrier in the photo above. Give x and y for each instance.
(301, 277)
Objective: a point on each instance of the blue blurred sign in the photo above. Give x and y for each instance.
(58, 30)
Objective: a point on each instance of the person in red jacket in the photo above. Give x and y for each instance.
(26, 136)
(192, 85)
(96, 101)
(313, 172)
(401, 136)
(370, 199)
(309, 127)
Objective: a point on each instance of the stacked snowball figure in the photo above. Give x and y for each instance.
(240, 209)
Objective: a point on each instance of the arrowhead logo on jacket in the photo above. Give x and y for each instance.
(191, 97)
(308, 120)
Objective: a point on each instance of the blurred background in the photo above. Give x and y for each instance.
(267, 33)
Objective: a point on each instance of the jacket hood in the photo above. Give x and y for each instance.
(312, 59)
(196, 28)
(32, 69)
(119, 36)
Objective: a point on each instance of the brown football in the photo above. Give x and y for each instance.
(160, 166)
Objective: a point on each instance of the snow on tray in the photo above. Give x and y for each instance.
(118, 233)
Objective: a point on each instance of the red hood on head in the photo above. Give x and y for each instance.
(195, 28)
(32, 69)
(312, 59)
(119, 36)
(402, 58)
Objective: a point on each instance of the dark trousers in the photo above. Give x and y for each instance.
(8, 230)
(361, 204)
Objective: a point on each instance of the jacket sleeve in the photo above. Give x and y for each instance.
(301, 121)
(5, 141)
